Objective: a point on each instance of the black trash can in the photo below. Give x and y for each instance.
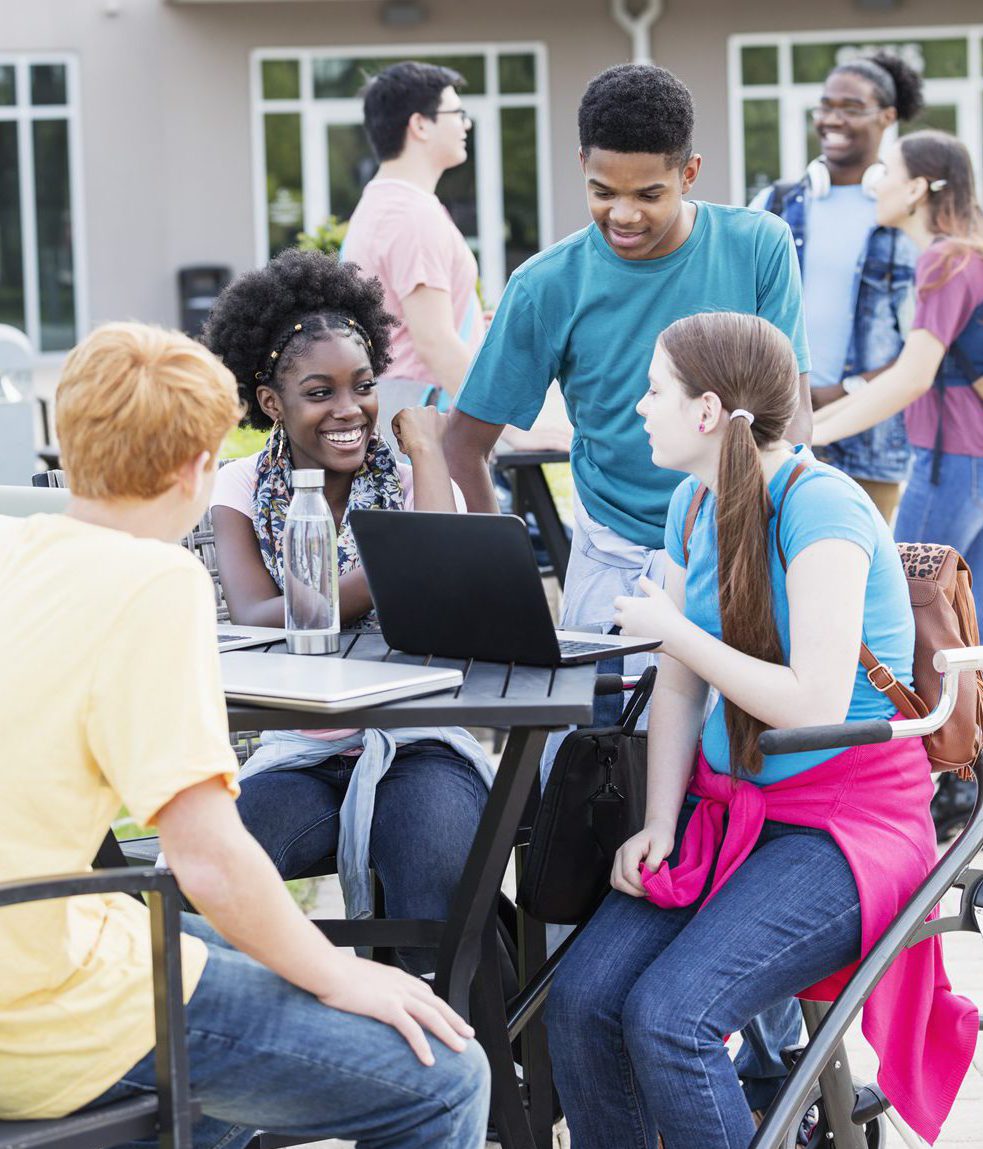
(198, 288)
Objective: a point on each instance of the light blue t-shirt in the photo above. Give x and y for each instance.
(581, 314)
(837, 229)
(823, 503)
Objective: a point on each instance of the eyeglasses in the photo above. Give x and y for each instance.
(465, 118)
(848, 112)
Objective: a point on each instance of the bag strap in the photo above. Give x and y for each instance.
(638, 701)
(797, 472)
(883, 681)
(964, 365)
(879, 676)
(694, 509)
(700, 494)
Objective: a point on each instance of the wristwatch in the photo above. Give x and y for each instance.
(852, 384)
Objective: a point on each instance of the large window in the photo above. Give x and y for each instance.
(775, 79)
(39, 206)
(312, 157)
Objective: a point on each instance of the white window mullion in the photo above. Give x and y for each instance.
(544, 144)
(29, 228)
(314, 161)
(76, 192)
(735, 111)
(491, 207)
(261, 221)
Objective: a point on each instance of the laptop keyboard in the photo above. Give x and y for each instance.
(570, 646)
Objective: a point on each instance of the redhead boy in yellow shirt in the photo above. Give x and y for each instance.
(110, 694)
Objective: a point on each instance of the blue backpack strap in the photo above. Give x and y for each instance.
(964, 365)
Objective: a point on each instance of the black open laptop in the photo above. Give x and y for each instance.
(468, 586)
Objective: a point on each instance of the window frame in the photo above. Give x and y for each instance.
(312, 111)
(25, 115)
(966, 91)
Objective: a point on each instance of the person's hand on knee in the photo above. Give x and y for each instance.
(395, 998)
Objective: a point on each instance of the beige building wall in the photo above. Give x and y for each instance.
(166, 118)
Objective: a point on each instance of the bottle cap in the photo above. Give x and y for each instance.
(311, 477)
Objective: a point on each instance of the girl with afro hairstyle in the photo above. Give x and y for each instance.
(306, 337)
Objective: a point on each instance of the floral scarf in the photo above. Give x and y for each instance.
(375, 485)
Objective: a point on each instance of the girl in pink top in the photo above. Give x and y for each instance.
(753, 879)
(306, 338)
(928, 192)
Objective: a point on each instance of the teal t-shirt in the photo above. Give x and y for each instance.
(823, 503)
(581, 314)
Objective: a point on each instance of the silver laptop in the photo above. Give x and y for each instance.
(233, 637)
(331, 685)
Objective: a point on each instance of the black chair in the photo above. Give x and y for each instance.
(167, 1114)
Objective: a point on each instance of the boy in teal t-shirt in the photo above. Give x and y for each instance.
(587, 312)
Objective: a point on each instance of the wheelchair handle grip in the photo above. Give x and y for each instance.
(840, 736)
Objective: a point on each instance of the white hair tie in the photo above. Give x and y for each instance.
(740, 413)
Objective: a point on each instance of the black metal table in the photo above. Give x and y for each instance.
(528, 701)
(531, 495)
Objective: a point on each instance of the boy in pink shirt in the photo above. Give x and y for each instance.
(401, 233)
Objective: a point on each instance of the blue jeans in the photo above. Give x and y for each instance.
(641, 1004)
(267, 1055)
(950, 513)
(602, 566)
(427, 810)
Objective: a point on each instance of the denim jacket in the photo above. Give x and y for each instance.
(882, 287)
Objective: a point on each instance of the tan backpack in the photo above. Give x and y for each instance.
(940, 586)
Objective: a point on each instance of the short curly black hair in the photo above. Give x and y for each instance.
(638, 108)
(257, 313)
(896, 83)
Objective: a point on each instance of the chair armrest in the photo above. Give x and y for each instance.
(173, 1076)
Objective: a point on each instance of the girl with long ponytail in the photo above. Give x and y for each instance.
(754, 878)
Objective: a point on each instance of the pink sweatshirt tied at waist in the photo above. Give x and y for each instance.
(874, 802)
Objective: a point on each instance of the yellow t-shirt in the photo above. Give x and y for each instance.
(110, 694)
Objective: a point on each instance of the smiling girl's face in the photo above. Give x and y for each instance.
(672, 418)
(327, 403)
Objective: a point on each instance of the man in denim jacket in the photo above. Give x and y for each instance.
(831, 213)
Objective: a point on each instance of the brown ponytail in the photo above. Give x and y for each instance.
(749, 364)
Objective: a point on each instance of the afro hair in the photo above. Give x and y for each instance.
(638, 108)
(256, 314)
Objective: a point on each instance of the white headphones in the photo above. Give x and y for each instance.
(817, 173)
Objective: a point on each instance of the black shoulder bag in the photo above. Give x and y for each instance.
(593, 801)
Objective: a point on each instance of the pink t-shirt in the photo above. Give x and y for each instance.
(406, 237)
(235, 485)
(945, 311)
